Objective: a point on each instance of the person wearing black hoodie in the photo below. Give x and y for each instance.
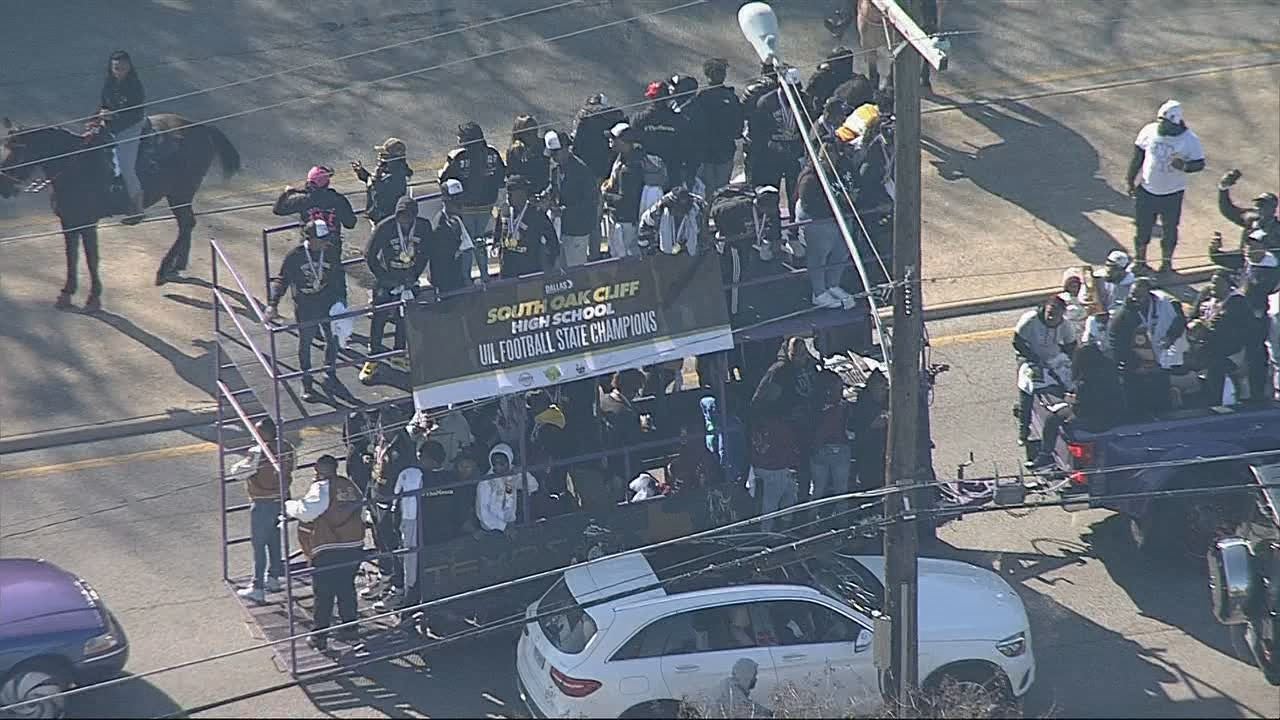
(591, 134)
(718, 127)
(664, 132)
(479, 167)
(833, 72)
(122, 109)
(397, 253)
(1262, 216)
(1220, 327)
(776, 144)
(1259, 277)
(387, 183)
(318, 201)
(314, 273)
(525, 237)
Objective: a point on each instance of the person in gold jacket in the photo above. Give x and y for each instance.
(263, 486)
(331, 533)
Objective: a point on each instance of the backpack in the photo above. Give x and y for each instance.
(734, 213)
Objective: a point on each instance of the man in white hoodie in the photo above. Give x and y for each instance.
(496, 496)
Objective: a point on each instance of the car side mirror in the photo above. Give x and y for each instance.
(863, 641)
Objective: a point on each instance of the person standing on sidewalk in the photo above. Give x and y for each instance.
(775, 455)
(1164, 152)
(479, 167)
(331, 533)
(263, 485)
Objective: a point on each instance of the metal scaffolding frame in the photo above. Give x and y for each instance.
(241, 401)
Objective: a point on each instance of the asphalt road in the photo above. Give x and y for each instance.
(1026, 140)
(1114, 636)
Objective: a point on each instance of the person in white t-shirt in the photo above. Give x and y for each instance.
(1164, 152)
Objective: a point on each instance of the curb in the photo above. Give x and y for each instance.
(1028, 298)
(158, 424)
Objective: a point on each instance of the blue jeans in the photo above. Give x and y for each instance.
(829, 470)
(777, 489)
(824, 251)
(264, 536)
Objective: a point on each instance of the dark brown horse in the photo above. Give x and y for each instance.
(80, 173)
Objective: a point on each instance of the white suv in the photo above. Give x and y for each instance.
(660, 639)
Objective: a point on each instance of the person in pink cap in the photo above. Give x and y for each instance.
(317, 201)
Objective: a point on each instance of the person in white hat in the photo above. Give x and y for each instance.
(1165, 151)
(575, 200)
(1114, 279)
(452, 246)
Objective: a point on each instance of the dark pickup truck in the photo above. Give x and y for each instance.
(1147, 455)
(1244, 576)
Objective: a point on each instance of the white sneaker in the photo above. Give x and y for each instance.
(274, 584)
(839, 293)
(826, 300)
(394, 601)
(251, 593)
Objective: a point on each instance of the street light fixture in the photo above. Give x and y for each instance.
(759, 26)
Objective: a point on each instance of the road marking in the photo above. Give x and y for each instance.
(168, 453)
(970, 337)
(1109, 69)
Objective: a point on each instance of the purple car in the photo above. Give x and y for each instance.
(55, 633)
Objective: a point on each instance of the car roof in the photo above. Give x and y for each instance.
(32, 589)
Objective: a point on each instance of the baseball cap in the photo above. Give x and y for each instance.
(1171, 110)
(552, 141)
(319, 176)
(452, 187)
(392, 148)
(1118, 258)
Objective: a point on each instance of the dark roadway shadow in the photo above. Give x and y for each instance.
(1086, 670)
(1040, 165)
(1172, 594)
(134, 699)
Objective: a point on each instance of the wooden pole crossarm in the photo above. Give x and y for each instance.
(924, 44)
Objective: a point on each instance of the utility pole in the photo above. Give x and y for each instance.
(906, 378)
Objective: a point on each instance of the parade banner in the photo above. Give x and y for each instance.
(559, 327)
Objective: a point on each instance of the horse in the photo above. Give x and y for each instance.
(78, 167)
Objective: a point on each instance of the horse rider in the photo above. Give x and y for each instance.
(122, 110)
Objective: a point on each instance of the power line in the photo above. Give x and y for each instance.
(369, 83)
(524, 619)
(260, 205)
(813, 504)
(309, 66)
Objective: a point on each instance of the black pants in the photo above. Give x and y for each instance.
(769, 167)
(1024, 414)
(386, 538)
(306, 337)
(335, 580)
(1257, 363)
(1052, 426)
(1147, 208)
(378, 326)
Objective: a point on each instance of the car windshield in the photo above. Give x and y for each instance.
(570, 630)
(845, 580)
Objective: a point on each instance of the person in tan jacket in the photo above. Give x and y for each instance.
(331, 533)
(263, 486)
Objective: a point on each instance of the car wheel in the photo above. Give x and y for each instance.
(970, 692)
(1177, 530)
(38, 682)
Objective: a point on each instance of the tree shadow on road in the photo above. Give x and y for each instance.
(1073, 652)
(1039, 164)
